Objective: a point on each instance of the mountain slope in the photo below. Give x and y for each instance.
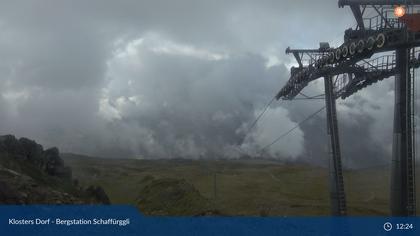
(233, 187)
(31, 175)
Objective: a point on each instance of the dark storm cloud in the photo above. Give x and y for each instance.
(173, 78)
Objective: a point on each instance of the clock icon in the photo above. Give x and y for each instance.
(387, 226)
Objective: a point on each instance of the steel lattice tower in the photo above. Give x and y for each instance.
(348, 69)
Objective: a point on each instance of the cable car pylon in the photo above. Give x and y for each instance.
(349, 68)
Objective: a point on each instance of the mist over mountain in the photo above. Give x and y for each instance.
(168, 79)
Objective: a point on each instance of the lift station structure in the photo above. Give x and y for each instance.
(379, 47)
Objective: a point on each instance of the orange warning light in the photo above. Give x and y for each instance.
(399, 11)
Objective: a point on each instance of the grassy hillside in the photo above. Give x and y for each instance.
(239, 187)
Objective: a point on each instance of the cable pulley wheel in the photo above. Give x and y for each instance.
(360, 46)
(380, 40)
(344, 51)
(370, 43)
(352, 48)
(338, 54)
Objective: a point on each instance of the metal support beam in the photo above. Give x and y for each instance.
(358, 15)
(298, 59)
(403, 163)
(337, 195)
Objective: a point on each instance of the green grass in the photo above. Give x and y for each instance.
(243, 187)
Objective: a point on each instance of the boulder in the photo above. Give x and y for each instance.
(32, 151)
(54, 163)
(10, 145)
(97, 193)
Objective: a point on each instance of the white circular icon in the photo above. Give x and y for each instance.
(387, 226)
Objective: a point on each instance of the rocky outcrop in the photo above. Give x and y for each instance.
(54, 165)
(18, 188)
(98, 194)
(31, 175)
(28, 150)
(9, 144)
(32, 151)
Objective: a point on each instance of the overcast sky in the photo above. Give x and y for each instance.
(184, 78)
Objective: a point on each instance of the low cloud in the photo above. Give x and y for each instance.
(161, 79)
